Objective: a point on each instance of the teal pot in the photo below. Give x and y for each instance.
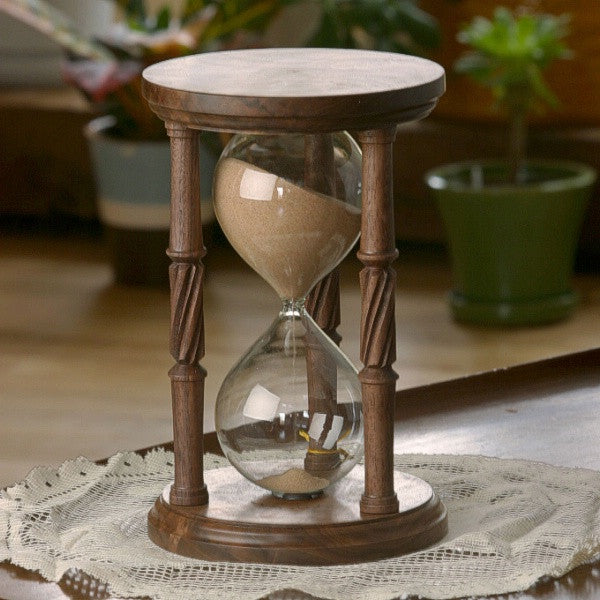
(512, 247)
(133, 195)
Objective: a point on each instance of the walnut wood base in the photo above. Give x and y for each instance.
(243, 523)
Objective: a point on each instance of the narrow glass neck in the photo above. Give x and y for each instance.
(293, 307)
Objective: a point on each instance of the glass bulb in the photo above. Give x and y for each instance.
(290, 213)
(288, 415)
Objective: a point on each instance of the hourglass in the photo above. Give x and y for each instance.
(293, 416)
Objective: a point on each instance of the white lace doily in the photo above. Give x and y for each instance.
(510, 523)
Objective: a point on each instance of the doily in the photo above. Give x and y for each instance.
(510, 523)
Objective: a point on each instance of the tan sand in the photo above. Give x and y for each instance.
(294, 481)
(289, 235)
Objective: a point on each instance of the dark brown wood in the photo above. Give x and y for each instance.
(293, 89)
(378, 332)
(326, 530)
(323, 305)
(323, 302)
(186, 275)
(561, 376)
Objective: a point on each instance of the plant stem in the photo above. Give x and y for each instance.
(517, 140)
(517, 149)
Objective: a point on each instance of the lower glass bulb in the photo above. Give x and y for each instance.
(288, 415)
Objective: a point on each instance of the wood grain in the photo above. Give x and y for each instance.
(308, 91)
(323, 301)
(321, 531)
(323, 305)
(96, 354)
(187, 321)
(293, 89)
(377, 330)
(82, 397)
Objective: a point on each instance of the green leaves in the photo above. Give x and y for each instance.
(151, 32)
(233, 16)
(138, 19)
(191, 9)
(389, 25)
(509, 54)
(226, 16)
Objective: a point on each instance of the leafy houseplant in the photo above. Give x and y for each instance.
(128, 143)
(509, 56)
(108, 69)
(513, 225)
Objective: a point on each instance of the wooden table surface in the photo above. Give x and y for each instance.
(544, 411)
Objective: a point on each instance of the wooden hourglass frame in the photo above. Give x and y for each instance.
(313, 92)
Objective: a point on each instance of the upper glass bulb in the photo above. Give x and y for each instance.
(290, 205)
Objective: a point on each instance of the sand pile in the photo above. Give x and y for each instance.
(294, 481)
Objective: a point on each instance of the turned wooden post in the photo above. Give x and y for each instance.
(186, 275)
(323, 305)
(377, 331)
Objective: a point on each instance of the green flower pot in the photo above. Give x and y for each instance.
(512, 247)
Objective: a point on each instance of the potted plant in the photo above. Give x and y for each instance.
(128, 142)
(129, 139)
(512, 225)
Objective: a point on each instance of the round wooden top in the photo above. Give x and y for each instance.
(293, 89)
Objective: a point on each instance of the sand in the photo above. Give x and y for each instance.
(289, 235)
(294, 481)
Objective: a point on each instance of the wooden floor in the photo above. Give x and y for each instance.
(83, 362)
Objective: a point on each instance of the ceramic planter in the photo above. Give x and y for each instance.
(512, 247)
(133, 194)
